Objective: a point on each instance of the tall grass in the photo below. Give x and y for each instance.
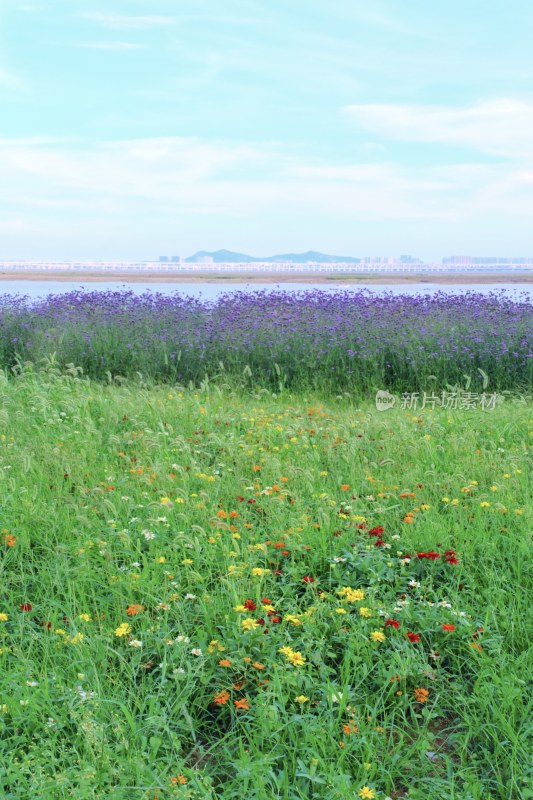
(162, 548)
(343, 341)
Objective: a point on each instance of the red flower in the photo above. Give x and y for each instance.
(413, 637)
(26, 607)
(261, 621)
(451, 557)
(448, 627)
(379, 543)
(376, 531)
(266, 601)
(240, 499)
(308, 579)
(275, 619)
(250, 605)
(392, 622)
(362, 526)
(430, 555)
(251, 501)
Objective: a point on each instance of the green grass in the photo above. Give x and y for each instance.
(122, 495)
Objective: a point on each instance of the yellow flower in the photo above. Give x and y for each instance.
(341, 611)
(455, 502)
(365, 612)
(259, 571)
(123, 629)
(187, 561)
(494, 488)
(85, 617)
(165, 500)
(249, 624)
(4, 617)
(445, 499)
(377, 636)
(366, 793)
(76, 639)
(484, 504)
(292, 618)
(301, 699)
(239, 608)
(351, 595)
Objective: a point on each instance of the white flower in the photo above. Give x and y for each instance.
(395, 536)
(32, 683)
(135, 643)
(414, 584)
(50, 722)
(148, 535)
(196, 651)
(190, 597)
(182, 638)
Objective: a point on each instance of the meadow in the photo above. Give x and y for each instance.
(251, 582)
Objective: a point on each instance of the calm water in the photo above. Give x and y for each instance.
(210, 291)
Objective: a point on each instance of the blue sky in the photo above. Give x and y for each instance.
(130, 129)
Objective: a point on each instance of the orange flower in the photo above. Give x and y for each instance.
(257, 665)
(134, 609)
(10, 540)
(179, 779)
(238, 685)
(222, 514)
(345, 487)
(256, 468)
(222, 698)
(349, 729)
(233, 514)
(243, 704)
(421, 695)
(224, 662)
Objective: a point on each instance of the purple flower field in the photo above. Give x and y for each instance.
(349, 341)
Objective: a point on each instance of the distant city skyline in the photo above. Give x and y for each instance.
(397, 126)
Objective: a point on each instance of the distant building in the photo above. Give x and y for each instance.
(175, 259)
(163, 259)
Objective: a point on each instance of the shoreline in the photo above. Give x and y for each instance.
(268, 279)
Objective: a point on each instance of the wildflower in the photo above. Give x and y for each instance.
(134, 609)
(413, 637)
(421, 695)
(345, 487)
(448, 627)
(341, 611)
(250, 605)
(85, 617)
(249, 624)
(365, 612)
(26, 607)
(222, 698)
(196, 651)
(301, 699)
(308, 579)
(76, 639)
(4, 617)
(224, 662)
(135, 643)
(366, 793)
(351, 595)
(123, 629)
(259, 571)
(180, 780)
(243, 704)
(258, 665)
(10, 540)
(393, 623)
(377, 636)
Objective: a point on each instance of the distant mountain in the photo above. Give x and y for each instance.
(226, 256)
(221, 256)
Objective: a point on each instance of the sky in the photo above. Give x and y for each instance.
(131, 129)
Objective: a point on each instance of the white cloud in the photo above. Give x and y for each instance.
(10, 81)
(113, 46)
(501, 127)
(130, 21)
(170, 180)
